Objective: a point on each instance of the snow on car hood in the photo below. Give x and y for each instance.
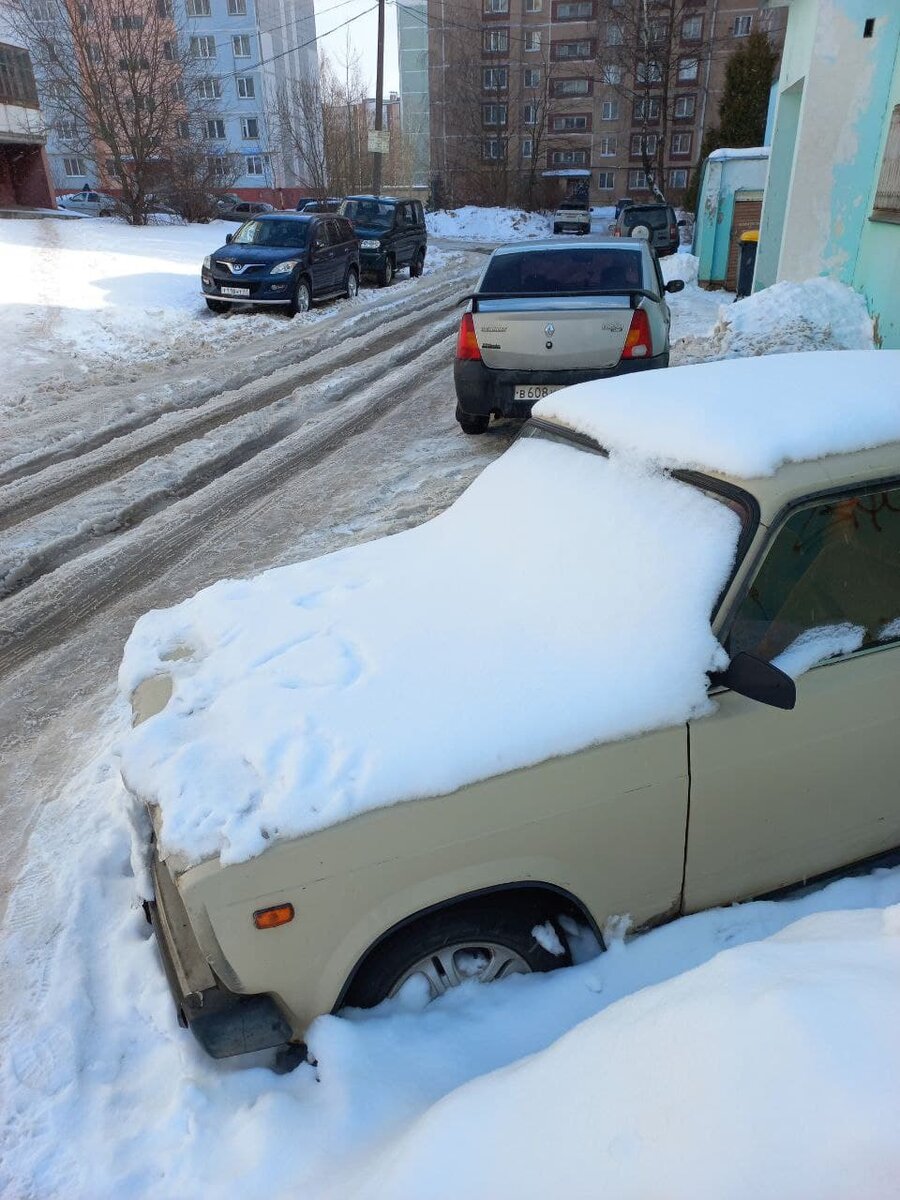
(563, 600)
(742, 417)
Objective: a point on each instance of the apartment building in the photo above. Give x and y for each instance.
(249, 58)
(532, 100)
(24, 172)
(412, 50)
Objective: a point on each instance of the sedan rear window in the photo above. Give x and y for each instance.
(272, 233)
(567, 269)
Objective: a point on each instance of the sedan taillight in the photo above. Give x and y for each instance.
(467, 343)
(637, 342)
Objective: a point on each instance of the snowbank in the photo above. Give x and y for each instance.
(317, 691)
(487, 224)
(773, 1070)
(741, 418)
(682, 265)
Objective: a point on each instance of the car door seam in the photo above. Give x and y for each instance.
(687, 819)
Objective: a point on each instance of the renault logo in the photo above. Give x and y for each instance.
(549, 329)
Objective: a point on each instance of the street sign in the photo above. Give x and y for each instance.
(379, 141)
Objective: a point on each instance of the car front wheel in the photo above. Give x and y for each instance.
(385, 273)
(352, 285)
(302, 298)
(483, 941)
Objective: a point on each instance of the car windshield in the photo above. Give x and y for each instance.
(571, 269)
(271, 233)
(373, 213)
(653, 218)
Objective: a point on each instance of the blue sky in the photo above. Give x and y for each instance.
(363, 33)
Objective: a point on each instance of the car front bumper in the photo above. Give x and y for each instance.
(482, 391)
(278, 289)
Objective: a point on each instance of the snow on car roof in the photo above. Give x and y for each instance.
(741, 417)
(413, 665)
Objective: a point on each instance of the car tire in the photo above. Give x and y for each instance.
(445, 950)
(417, 266)
(302, 301)
(351, 288)
(472, 422)
(217, 306)
(385, 273)
(556, 229)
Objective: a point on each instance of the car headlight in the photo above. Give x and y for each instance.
(207, 262)
(285, 268)
(370, 244)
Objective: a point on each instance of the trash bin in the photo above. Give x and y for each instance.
(746, 262)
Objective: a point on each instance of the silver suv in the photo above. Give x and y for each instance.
(547, 315)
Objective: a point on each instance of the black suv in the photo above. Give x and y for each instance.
(658, 219)
(289, 259)
(391, 234)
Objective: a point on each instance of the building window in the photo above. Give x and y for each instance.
(215, 129)
(533, 39)
(614, 35)
(532, 6)
(531, 77)
(17, 84)
(250, 129)
(609, 110)
(197, 8)
(687, 70)
(742, 27)
(646, 109)
(685, 107)
(569, 158)
(496, 6)
(681, 143)
(209, 88)
(650, 72)
(529, 114)
(217, 166)
(493, 148)
(184, 129)
(125, 22)
(678, 177)
(493, 114)
(237, 8)
(75, 167)
(256, 164)
(887, 193)
(637, 180)
(138, 62)
(640, 141)
(570, 123)
(659, 32)
(165, 8)
(203, 47)
(692, 29)
(572, 50)
(169, 51)
(240, 45)
(583, 10)
(246, 87)
(606, 180)
(66, 127)
(177, 90)
(495, 79)
(527, 147)
(571, 87)
(611, 73)
(496, 41)
(607, 147)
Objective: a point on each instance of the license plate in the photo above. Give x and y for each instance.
(534, 391)
(235, 291)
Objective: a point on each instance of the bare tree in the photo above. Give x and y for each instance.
(126, 86)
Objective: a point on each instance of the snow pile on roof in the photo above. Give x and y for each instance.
(744, 417)
(773, 1070)
(416, 664)
(487, 224)
(725, 152)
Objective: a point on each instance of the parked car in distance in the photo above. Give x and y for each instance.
(287, 259)
(572, 216)
(90, 203)
(332, 204)
(391, 232)
(623, 202)
(738, 800)
(660, 222)
(245, 209)
(546, 315)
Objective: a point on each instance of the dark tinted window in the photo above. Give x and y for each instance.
(653, 218)
(272, 233)
(336, 233)
(376, 213)
(830, 565)
(564, 270)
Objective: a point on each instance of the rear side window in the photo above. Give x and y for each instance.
(564, 270)
(653, 218)
(833, 567)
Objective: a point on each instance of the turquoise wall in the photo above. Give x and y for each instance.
(724, 180)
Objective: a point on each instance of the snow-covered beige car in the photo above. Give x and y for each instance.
(424, 759)
(572, 216)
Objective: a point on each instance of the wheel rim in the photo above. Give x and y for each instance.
(388, 271)
(451, 966)
(302, 297)
(352, 285)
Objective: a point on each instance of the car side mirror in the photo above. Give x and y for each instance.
(675, 285)
(228, 237)
(681, 224)
(757, 680)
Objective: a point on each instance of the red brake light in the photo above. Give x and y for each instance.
(673, 231)
(467, 342)
(637, 342)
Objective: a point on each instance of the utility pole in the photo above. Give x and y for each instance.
(379, 102)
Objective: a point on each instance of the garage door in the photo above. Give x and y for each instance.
(747, 215)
